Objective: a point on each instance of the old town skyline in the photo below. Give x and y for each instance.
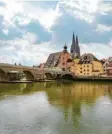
(29, 36)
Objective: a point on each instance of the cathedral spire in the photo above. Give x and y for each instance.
(77, 46)
(73, 39)
(77, 41)
(73, 44)
(75, 49)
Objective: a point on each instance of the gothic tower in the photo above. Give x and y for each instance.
(75, 49)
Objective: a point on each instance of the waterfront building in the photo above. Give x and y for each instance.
(106, 64)
(109, 69)
(87, 65)
(75, 49)
(64, 59)
(59, 60)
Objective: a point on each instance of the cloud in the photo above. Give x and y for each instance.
(105, 7)
(5, 31)
(31, 30)
(103, 28)
(110, 43)
(21, 51)
(20, 10)
(104, 19)
(98, 49)
(84, 10)
(36, 28)
(10, 9)
(66, 25)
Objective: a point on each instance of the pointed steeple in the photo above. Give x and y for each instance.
(73, 44)
(75, 49)
(77, 46)
(73, 39)
(77, 41)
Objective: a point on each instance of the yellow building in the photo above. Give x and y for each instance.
(87, 65)
(97, 68)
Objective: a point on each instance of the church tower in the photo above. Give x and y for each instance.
(75, 49)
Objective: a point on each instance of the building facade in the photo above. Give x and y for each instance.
(109, 70)
(87, 65)
(82, 69)
(107, 65)
(59, 60)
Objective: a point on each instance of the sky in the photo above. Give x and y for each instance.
(30, 29)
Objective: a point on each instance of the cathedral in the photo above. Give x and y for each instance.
(75, 49)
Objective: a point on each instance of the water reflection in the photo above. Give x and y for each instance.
(71, 96)
(58, 108)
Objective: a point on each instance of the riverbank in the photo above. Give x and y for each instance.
(103, 79)
(16, 81)
(27, 81)
(93, 79)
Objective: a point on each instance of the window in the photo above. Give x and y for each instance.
(63, 69)
(88, 70)
(80, 71)
(85, 58)
(84, 70)
(69, 69)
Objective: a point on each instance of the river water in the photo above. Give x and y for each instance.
(56, 108)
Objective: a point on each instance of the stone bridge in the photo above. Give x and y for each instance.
(56, 74)
(33, 73)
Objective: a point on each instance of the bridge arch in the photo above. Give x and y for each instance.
(2, 75)
(49, 75)
(67, 77)
(29, 75)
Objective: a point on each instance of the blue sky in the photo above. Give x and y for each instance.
(30, 29)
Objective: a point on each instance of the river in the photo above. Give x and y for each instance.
(56, 108)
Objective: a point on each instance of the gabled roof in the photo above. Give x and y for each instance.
(89, 57)
(53, 59)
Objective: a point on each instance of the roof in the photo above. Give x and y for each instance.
(88, 57)
(53, 59)
(110, 59)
